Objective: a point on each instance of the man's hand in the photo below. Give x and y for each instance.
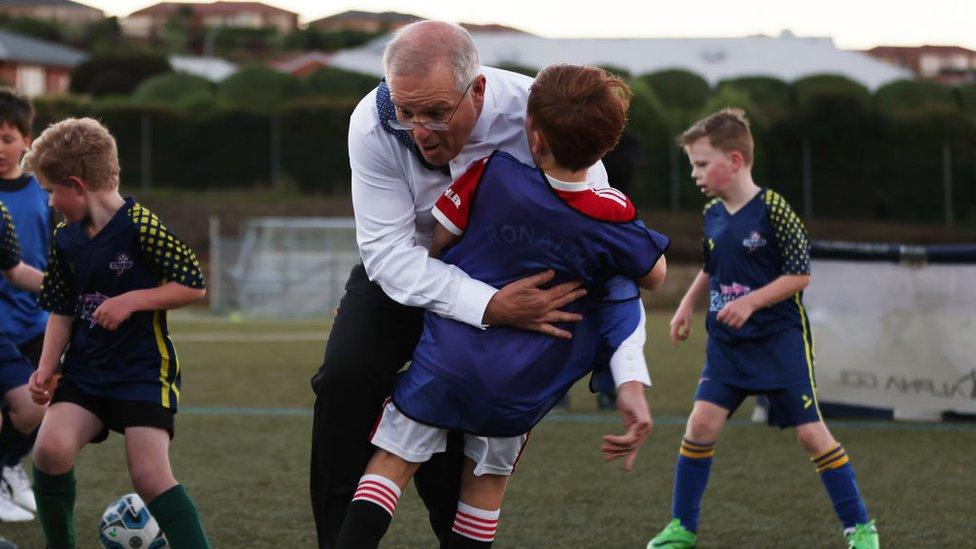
(637, 421)
(523, 304)
(681, 324)
(735, 313)
(113, 312)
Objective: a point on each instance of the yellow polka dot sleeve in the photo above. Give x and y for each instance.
(707, 243)
(790, 233)
(58, 292)
(9, 248)
(168, 257)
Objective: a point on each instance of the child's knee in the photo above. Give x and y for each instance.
(815, 438)
(703, 428)
(26, 419)
(54, 457)
(149, 483)
(391, 466)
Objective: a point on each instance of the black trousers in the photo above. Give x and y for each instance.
(371, 340)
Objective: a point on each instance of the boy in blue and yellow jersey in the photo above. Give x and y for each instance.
(20, 317)
(113, 272)
(755, 265)
(20, 414)
(499, 222)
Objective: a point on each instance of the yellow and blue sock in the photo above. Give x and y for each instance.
(690, 480)
(837, 474)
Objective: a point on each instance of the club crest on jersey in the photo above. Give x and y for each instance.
(754, 241)
(121, 264)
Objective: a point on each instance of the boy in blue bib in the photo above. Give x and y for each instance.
(500, 222)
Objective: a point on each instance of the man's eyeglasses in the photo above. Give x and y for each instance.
(431, 125)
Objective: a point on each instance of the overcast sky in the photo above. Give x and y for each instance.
(854, 24)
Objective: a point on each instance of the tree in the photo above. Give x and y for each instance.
(967, 99)
(326, 40)
(336, 82)
(915, 95)
(36, 28)
(258, 89)
(811, 89)
(771, 98)
(182, 91)
(115, 73)
(678, 89)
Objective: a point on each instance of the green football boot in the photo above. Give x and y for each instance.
(676, 536)
(864, 536)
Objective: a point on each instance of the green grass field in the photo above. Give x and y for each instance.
(242, 450)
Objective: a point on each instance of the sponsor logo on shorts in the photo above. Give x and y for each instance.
(807, 401)
(754, 241)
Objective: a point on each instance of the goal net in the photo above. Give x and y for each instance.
(286, 266)
(894, 328)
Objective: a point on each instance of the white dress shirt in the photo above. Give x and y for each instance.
(393, 194)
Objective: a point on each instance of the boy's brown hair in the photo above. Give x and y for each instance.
(79, 147)
(16, 110)
(727, 130)
(580, 110)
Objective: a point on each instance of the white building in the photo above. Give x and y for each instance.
(785, 57)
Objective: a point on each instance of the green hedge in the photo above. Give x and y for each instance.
(868, 161)
(678, 89)
(915, 95)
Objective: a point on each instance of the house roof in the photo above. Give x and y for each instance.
(45, 4)
(943, 50)
(292, 63)
(214, 69)
(23, 49)
(211, 8)
(786, 57)
(386, 17)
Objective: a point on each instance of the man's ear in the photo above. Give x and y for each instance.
(478, 91)
(78, 185)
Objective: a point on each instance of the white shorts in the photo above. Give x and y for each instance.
(416, 442)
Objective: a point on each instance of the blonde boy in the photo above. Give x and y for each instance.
(755, 265)
(113, 272)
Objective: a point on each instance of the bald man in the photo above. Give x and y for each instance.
(437, 112)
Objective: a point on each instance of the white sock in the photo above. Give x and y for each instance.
(474, 523)
(379, 490)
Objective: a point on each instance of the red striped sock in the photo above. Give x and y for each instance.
(476, 524)
(379, 490)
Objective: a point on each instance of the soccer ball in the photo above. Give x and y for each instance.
(127, 524)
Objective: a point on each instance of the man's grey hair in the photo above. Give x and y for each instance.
(416, 48)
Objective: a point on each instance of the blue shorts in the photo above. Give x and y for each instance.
(789, 406)
(773, 361)
(14, 368)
